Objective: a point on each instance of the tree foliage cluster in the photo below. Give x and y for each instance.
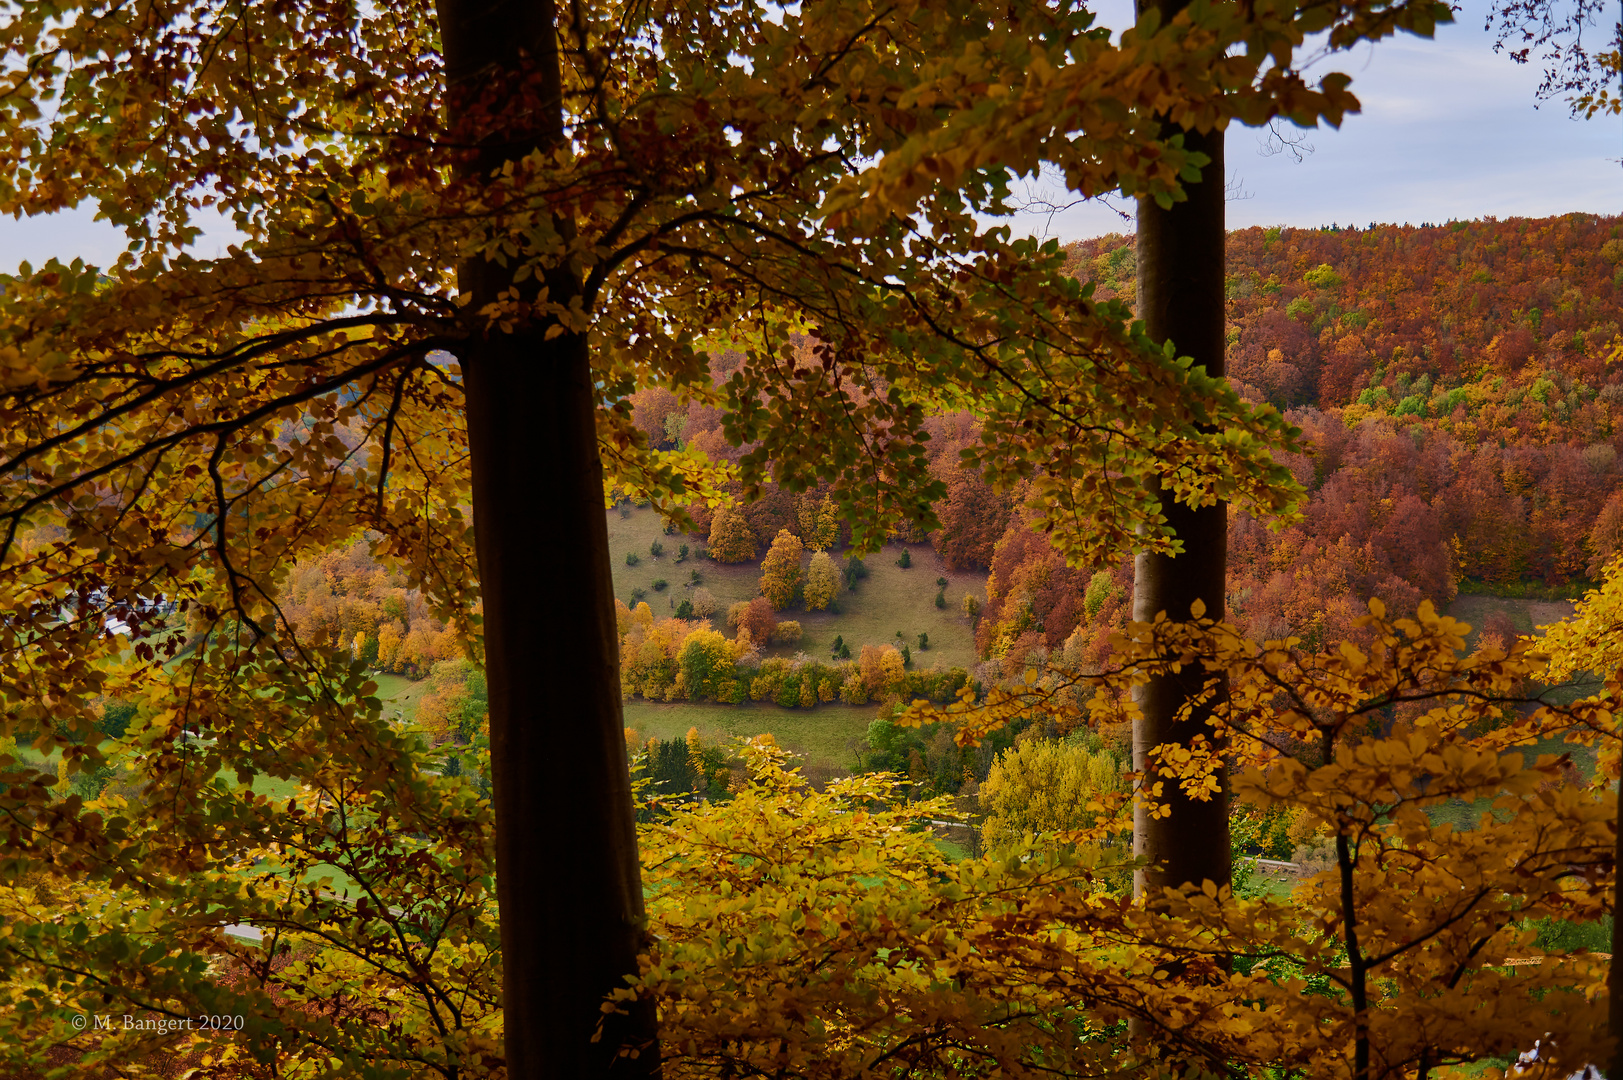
(1390, 961)
(468, 233)
(345, 598)
(1314, 313)
(682, 768)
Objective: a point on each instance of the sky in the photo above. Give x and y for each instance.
(1448, 130)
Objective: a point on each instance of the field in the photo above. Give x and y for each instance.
(399, 694)
(1525, 615)
(888, 600)
(827, 735)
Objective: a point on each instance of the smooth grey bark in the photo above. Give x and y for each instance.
(1180, 298)
(570, 898)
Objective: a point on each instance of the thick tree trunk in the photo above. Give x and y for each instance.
(568, 880)
(1180, 297)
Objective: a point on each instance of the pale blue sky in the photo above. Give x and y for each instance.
(1448, 130)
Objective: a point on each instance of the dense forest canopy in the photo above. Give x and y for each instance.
(1460, 388)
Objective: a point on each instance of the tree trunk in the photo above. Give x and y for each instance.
(1180, 297)
(1614, 966)
(568, 880)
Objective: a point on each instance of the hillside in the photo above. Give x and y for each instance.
(1458, 386)
(1350, 309)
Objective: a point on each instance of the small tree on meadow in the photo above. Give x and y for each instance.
(704, 603)
(758, 618)
(822, 582)
(780, 570)
(731, 540)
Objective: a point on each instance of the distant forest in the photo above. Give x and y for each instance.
(1461, 384)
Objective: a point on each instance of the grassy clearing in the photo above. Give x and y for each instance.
(888, 600)
(399, 694)
(1524, 590)
(826, 734)
(1525, 614)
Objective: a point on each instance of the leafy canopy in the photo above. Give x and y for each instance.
(187, 427)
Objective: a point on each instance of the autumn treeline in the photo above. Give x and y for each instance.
(345, 598)
(1318, 316)
(686, 660)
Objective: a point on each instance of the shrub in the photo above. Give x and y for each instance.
(786, 633)
(939, 686)
(941, 581)
(756, 616)
(924, 642)
(704, 603)
(906, 560)
(631, 558)
(660, 584)
(638, 595)
(693, 577)
(681, 552)
(855, 571)
(656, 549)
(972, 606)
(907, 657)
(684, 610)
(839, 643)
(941, 598)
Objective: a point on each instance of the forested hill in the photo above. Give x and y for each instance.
(1329, 316)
